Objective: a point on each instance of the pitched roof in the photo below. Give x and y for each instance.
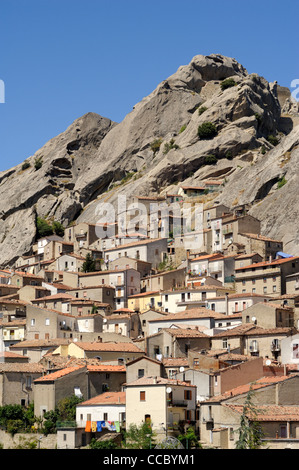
(58, 374)
(271, 412)
(276, 262)
(97, 346)
(189, 314)
(153, 380)
(244, 389)
(107, 398)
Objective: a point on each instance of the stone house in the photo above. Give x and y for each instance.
(276, 402)
(266, 247)
(69, 262)
(126, 324)
(124, 262)
(16, 382)
(35, 349)
(51, 388)
(147, 315)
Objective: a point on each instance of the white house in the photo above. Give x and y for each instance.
(96, 413)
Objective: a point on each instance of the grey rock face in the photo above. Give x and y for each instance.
(96, 159)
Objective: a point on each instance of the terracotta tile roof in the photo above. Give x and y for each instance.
(58, 374)
(143, 294)
(239, 330)
(185, 333)
(269, 331)
(276, 262)
(152, 380)
(97, 346)
(136, 243)
(271, 412)
(107, 398)
(28, 367)
(260, 237)
(61, 296)
(11, 355)
(244, 389)
(205, 257)
(175, 362)
(40, 343)
(124, 310)
(190, 313)
(105, 368)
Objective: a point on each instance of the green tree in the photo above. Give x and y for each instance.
(66, 408)
(139, 437)
(227, 83)
(96, 444)
(250, 431)
(58, 228)
(43, 228)
(189, 439)
(89, 264)
(207, 130)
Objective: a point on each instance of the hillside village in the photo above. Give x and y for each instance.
(173, 330)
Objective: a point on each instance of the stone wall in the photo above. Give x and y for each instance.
(9, 442)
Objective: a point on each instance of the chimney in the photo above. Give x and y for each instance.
(155, 379)
(226, 303)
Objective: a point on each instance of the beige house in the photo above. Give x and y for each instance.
(268, 278)
(110, 353)
(126, 324)
(101, 293)
(150, 250)
(144, 267)
(20, 279)
(59, 302)
(175, 342)
(164, 281)
(143, 367)
(146, 316)
(269, 315)
(160, 401)
(12, 331)
(29, 293)
(252, 340)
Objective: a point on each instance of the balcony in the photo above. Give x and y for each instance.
(177, 403)
(275, 346)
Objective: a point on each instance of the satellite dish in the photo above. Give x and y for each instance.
(169, 390)
(253, 319)
(105, 320)
(268, 362)
(182, 369)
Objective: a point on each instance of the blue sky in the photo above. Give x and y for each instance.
(62, 59)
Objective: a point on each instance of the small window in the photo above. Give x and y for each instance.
(105, 416)
(142, 396)
(140, 373)
(187, 394)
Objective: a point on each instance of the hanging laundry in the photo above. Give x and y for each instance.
(94, 426)
(88, 426)
(99, 426)
(117, 426)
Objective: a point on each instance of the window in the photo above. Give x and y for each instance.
(274, 288)
(28, 381)
(142, 396)
(32, 322)
(166, 298)
(47, 321)
(187, 394)
(265, 290)
(105, 416)
(224, 343)
(140, 373)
